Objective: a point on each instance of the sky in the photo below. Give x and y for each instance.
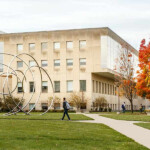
(130, 19)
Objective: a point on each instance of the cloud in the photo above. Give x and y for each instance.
(129, 19)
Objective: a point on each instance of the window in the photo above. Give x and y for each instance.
(56, 45)
(102, 88)
(69, 86)
(32, 106)
(111, 106)
(56, 106)
(44, 86)
(96, 86)
(82, 85)
(93, 87)
(108, 89)
(32, 63)
(31, 46)
(19, 64)
(69, 62)
(82, 61)
(82, 44)
(44, 63)
(69, 44)
(113, 90)
(20, 89)
(31, 86)
(57, 86)
(44, 46)
(44, 106)
(19, 47)
(99, 87)
(57, 62)
(83, 105)
(105, 88)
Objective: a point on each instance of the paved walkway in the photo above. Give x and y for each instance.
(127, 128)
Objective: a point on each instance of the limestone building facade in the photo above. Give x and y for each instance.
(76, 60)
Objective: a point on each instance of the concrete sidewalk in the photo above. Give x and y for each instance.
(127, 128)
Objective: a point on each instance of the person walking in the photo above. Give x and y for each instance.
(66, 107)
(123, 107)
(141, 108)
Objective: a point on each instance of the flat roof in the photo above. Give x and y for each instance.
(62, 30)
(56, 30)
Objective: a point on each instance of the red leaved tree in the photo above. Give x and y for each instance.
(124, 76)
(143, 78)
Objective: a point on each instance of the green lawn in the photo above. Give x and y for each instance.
(128, 117)
(47, 116)
(144, 125)
(62, 135)
(50, 133)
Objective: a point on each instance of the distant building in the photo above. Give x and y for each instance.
(1, 32)
(76, 60)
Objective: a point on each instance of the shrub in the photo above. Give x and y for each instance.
(100, 104)
(10, 103)
(78, 100)
(56, 100)
(105, 109)
(109, 109)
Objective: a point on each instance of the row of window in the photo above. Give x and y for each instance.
(114, 107)
(56, 45)
(56, 86)
(104, 88)
(44, 63)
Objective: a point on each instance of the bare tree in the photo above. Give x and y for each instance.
(100, 103)
(125, 72)
(57, 100)
(10, 103)
(78, 99)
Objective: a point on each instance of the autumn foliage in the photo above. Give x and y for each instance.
(124, 77)
(143, 78)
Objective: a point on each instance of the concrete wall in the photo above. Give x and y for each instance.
(111, 97)
(91, 52)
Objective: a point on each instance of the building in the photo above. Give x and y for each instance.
(76, 60)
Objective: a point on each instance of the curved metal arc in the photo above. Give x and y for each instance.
(24, 76)
(21, 100)
(17, 56)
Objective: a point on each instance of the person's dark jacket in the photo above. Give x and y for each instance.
(64, 105)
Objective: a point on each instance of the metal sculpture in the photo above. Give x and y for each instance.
(14, 72)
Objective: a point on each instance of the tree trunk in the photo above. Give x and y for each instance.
(131, 105)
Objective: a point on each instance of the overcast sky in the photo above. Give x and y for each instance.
(128, 18)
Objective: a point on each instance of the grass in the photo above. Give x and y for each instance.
(129, 117)
(144, 125)
(47, 116)
(50, 134)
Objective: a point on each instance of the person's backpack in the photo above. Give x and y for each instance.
(122, 106)
(67, 105)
